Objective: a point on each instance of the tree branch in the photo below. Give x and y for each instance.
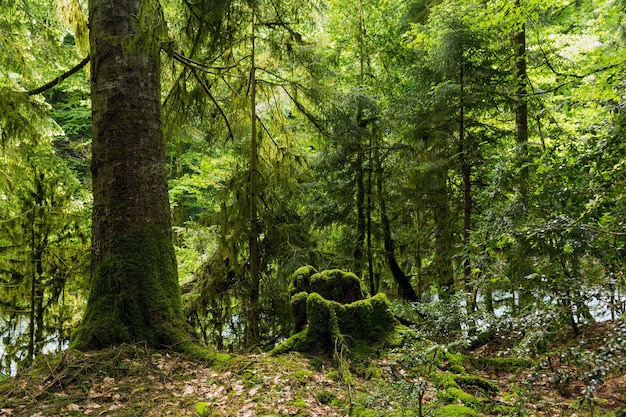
(207, 90)
(190, 63)
(60, 78)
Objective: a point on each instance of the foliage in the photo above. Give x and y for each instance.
(386, 134)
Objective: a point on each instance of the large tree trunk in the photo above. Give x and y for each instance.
(134, 292)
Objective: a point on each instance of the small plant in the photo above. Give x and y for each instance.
(201, 408)
(325, 397)
(410, 372)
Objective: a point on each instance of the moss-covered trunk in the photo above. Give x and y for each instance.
(134, 285)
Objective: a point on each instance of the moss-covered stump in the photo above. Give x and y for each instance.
(332, 284)
(337, 285)
(298, 311)
(301, 280)
(370, 319)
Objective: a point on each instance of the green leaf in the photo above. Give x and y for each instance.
(201, 407)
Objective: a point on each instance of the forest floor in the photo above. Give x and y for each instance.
(131, 380)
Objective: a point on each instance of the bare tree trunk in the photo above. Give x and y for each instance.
(405, 289)
(442, 258)
(466, 175)
(253, 323)
(360, 179)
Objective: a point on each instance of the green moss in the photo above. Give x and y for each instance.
(455, 410)
(365, 413)
(499, 410)
(302, 375)
(478, 382)
(443, 380)
(300, 403)
(337, 285)
(453, 362)
(506, 364)
(325, 397)
(298, 342)
(134, 297)
(298, 310)
(453, 395)
(301, 279)
(318, 317)
(369, 320)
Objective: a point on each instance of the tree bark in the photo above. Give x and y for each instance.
(442, 258)
(361, 125)
(252, 332)
(466, 174)
(521, 82)
(405, 289)
(134, 294)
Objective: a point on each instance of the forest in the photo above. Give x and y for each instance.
(333, 207)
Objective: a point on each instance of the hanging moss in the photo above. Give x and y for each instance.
(134, 297)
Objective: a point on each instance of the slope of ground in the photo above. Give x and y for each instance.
(132, 380)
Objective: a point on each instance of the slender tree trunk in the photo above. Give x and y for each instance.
(253, 324)
(360, 211)
(466, 174)
(521, 90)
(35, 325)
(360, 179)
(405, 289)
(370, 258)
(134, 292)
(442, 258)
(522, 248)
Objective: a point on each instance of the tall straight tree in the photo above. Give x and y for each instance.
(134, 284)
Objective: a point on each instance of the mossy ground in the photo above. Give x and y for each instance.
(367, 380)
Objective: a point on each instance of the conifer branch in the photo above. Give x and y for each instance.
(207, 90)
(572, 75)
(58, 80)
(317, 123)
(190, 63)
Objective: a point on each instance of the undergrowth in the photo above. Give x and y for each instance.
(407, 374)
